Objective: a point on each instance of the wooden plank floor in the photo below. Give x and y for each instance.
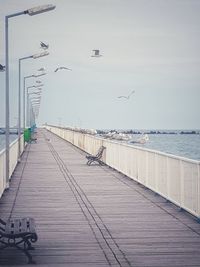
(93, 216)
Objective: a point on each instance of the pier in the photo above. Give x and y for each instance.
(93, 215)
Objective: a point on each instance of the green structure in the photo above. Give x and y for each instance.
(27, 135)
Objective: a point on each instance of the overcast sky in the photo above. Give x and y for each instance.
(149, 46)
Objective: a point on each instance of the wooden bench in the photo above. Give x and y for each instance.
(96, 158)
(14, 233)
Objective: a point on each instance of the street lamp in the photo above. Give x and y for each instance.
(32, 99)
(27, 101)
(39, 91)
(36, 97)
(24, 94)
(35, 56)
(31, 12)
(36, 93)
(35, 104)
(32, 111)
(35, 108)
(39, 9)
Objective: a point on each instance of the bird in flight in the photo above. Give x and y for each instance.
(61, 68)
(44, 46)
(42, 69)
(127, 97)
(2, 68)
(96, 53)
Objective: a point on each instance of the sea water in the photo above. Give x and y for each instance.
(184, 145)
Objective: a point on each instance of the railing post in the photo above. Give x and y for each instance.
(168, 179)
(137, 167)
(198, 194)
(147, 169)
(156, 173)
(181, 185)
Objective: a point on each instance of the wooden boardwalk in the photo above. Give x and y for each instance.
(92, 215)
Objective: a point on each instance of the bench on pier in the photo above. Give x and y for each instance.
(33, 140)
(97, 157)
(18, 233)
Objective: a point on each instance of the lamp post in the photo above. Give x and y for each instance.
(31, 12)
(24, 95)
(36, 107)
(35, 103)
(27, 102)
(24, 99)
(35, 56)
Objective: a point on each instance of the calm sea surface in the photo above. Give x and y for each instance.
(184, 145)
(3, 140)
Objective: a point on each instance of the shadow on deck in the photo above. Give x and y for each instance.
(93, 215)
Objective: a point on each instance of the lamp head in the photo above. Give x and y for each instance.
(39, 9)
(45, 53)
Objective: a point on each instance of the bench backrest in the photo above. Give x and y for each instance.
(18, 226)
(100, 151)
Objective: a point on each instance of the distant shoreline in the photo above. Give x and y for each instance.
(151, 131)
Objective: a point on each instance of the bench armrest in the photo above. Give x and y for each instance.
(2, 222)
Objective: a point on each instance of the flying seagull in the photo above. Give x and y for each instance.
(126, 97)
(96, 53)
(61, 68)
(44, 46)
(42, 69)
(2, 68)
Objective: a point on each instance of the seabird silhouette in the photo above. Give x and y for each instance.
(2, 68)
(61, 68)
(42, 69)
(44, 46)
(126, 97)
(96, 53)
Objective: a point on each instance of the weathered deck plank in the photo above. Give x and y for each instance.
(92, 215)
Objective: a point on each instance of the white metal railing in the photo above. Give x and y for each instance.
(175, 178)
(2, 171)
(13, 162)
